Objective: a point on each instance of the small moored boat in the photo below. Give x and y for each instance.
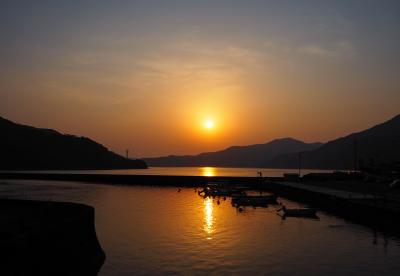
(299, 212)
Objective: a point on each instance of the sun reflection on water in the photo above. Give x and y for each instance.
(208, 171)
(208, 217)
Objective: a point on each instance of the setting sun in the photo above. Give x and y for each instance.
(208, 124)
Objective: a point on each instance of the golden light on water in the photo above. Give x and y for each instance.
(208, 171)
(208, 217)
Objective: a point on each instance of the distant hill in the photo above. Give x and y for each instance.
(236, 156)
(29, 148)
(377, 145)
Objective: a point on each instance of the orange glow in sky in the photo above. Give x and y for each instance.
(187, 80)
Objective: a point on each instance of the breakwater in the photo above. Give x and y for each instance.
(157, 180)
(48, 238)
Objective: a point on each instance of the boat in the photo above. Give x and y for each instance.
(248, 200)
(216, 191)
(298, 212)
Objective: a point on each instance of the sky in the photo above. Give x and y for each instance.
(146, 75)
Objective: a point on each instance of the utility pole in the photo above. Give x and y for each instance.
(127, 154)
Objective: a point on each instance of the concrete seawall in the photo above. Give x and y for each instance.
(48, 238)
(158, 180)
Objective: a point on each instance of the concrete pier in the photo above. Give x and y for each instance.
(377, 211)
(157, 180)
(325, 191)
(48, 238)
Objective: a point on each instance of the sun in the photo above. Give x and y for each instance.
(209, 124)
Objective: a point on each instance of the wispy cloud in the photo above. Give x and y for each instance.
(189, 61)
(340, 49)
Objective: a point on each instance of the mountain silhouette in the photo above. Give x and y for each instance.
(28, 148)
(236, 156)
(377, 145)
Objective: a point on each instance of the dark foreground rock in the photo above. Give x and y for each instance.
(48, 238)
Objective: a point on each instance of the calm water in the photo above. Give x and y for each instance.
(202, 171)
(149, 230)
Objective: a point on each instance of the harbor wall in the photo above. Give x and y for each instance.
(157, 180)
(376, 212)
(48, 238)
